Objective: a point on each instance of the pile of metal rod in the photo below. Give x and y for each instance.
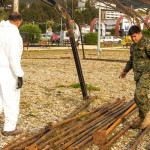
(78, 132)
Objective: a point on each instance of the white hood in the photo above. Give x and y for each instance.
(4, 23)
(10, 47)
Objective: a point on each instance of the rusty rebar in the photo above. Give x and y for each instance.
(101, 111)
(144, 132)
(92, 124)
(17, 139)
(28, 143)
(48, 134)
(81, 108)
(88, 136)
(132, 112)
(103, 121)
(31, 136)
(41, 136)
(120, 119)
(80, 137)
(76, 117)
(85, 139)
(100, 137)
(44, 137)
(105, 106)
(108, 145)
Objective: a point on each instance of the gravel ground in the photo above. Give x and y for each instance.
(46, 95)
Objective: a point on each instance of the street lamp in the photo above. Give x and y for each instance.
(61, 23)
(46, 29)
(98, 46)
(46, 26)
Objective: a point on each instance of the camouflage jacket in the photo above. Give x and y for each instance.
(139, 58)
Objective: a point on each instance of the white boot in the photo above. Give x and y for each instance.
(146, 121)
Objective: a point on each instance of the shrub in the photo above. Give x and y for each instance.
(146, 32)
(33, 30)
(90, 38)
(112, 32)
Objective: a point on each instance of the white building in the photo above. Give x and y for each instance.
(113, 15)
(107, 13)
(81, 4)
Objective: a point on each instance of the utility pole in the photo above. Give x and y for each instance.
(61, 23)
(99, 32)
(72, 8)
(15, 5)
(46, 29)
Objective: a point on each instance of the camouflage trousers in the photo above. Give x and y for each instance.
(141, 94)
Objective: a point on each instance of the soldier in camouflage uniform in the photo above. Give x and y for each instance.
(140, 62)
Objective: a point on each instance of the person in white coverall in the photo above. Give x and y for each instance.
(11, 73)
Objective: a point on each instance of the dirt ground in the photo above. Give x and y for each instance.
(47, 95)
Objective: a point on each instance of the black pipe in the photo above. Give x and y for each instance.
(63, 12)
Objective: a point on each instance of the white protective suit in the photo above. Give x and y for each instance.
(11, 47)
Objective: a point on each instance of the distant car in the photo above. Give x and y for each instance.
(110, 38)
(46, 36)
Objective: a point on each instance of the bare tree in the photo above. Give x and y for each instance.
(2, 2)
(126, 10)
(145, 1)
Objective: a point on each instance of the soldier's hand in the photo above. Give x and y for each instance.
(123, 74)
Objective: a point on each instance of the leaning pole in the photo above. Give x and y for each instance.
(63, 12)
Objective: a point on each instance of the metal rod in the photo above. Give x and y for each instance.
(111, 60)
(82, 107)
(76, 117)
(77, 62)
(84, 140)
(88, 128)
(29, 143)
(80, 136)
(64, 122)
(104, 113)
(80, 124)
(108, 145)
(63, 11)
(120, 119)
(100, 137)
(31, 136)
(140, 138)
(43, 138)
(17, 139)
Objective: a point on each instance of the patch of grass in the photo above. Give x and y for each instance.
(92, 88)
(99, 58)
(82, 118)
(89, 87)
(59, 86)
(77, 85)
(47, 104)
(30, 115)
(105, 100)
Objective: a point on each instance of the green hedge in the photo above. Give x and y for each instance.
(146, 32)
(33, 30)
(90, 38)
